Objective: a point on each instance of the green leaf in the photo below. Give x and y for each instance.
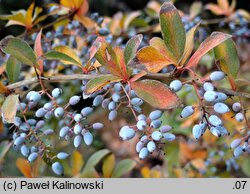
(208, 44)
(9, 108)
(99, 82)
(13, 68)
(64, 54)
(19, 49)
(93, 161)
(131, 48)
(123, 167)
(226, 54)
(156, 94)
(246, 166)
(108, 165)
(173, 31)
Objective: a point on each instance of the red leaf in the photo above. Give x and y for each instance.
(156, 94)
(38, 50)
(214, 40)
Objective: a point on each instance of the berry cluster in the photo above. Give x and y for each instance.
(28, 133)
(152, 133)
(209, 99)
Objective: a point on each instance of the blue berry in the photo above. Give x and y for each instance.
(105, 103)
(197, 131)
(126, 133)
(142, 117)
(139, 146)
(155, 124)
(239, 117)
(64, 131)
(208, 86)
(136, 101)
(77, 129)
(215, 131)
(57, 168)
(25, 150)
(165, 128)
(169, 137)
(221, 108)
(59, 112)
(187, 111)
(210, 96)
(19, 140)
(88, 138)
(77, 141)
(214, 120)
(35, 97)
(175, 85)
(32, 157)
(86, 111)
(74, 100)
(217, 76)
(78, 118)
(48, 106)
(116, 97)
(112, 105)
(141, 125)
(62, 155)
(97, 126)
(48, 132)
(235, 143)
(220, 97)
(236, 107)
(143, 153)
(155, 114)
(156, 135)
(151, 146)
(56, 92)
(24, 127)
(98, 100)
(112, 115)
(238, 151)
(40, 112)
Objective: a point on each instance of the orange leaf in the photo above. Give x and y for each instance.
(3, 89)
(156, 94)
(39, 50)
(83, 7)
(224, 5)
(86, 21)
(152, 59)
(24, 166)
(214, 40)
(215, 9)
(159, 44)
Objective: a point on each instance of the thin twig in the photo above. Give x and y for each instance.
(62, 78)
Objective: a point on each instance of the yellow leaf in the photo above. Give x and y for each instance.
(24, 166)
(77, 163)
(67, 3)
(78, 3)
(189, 44)
(108, 165)
(28, 18)
(145, 172)
(69, 52)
